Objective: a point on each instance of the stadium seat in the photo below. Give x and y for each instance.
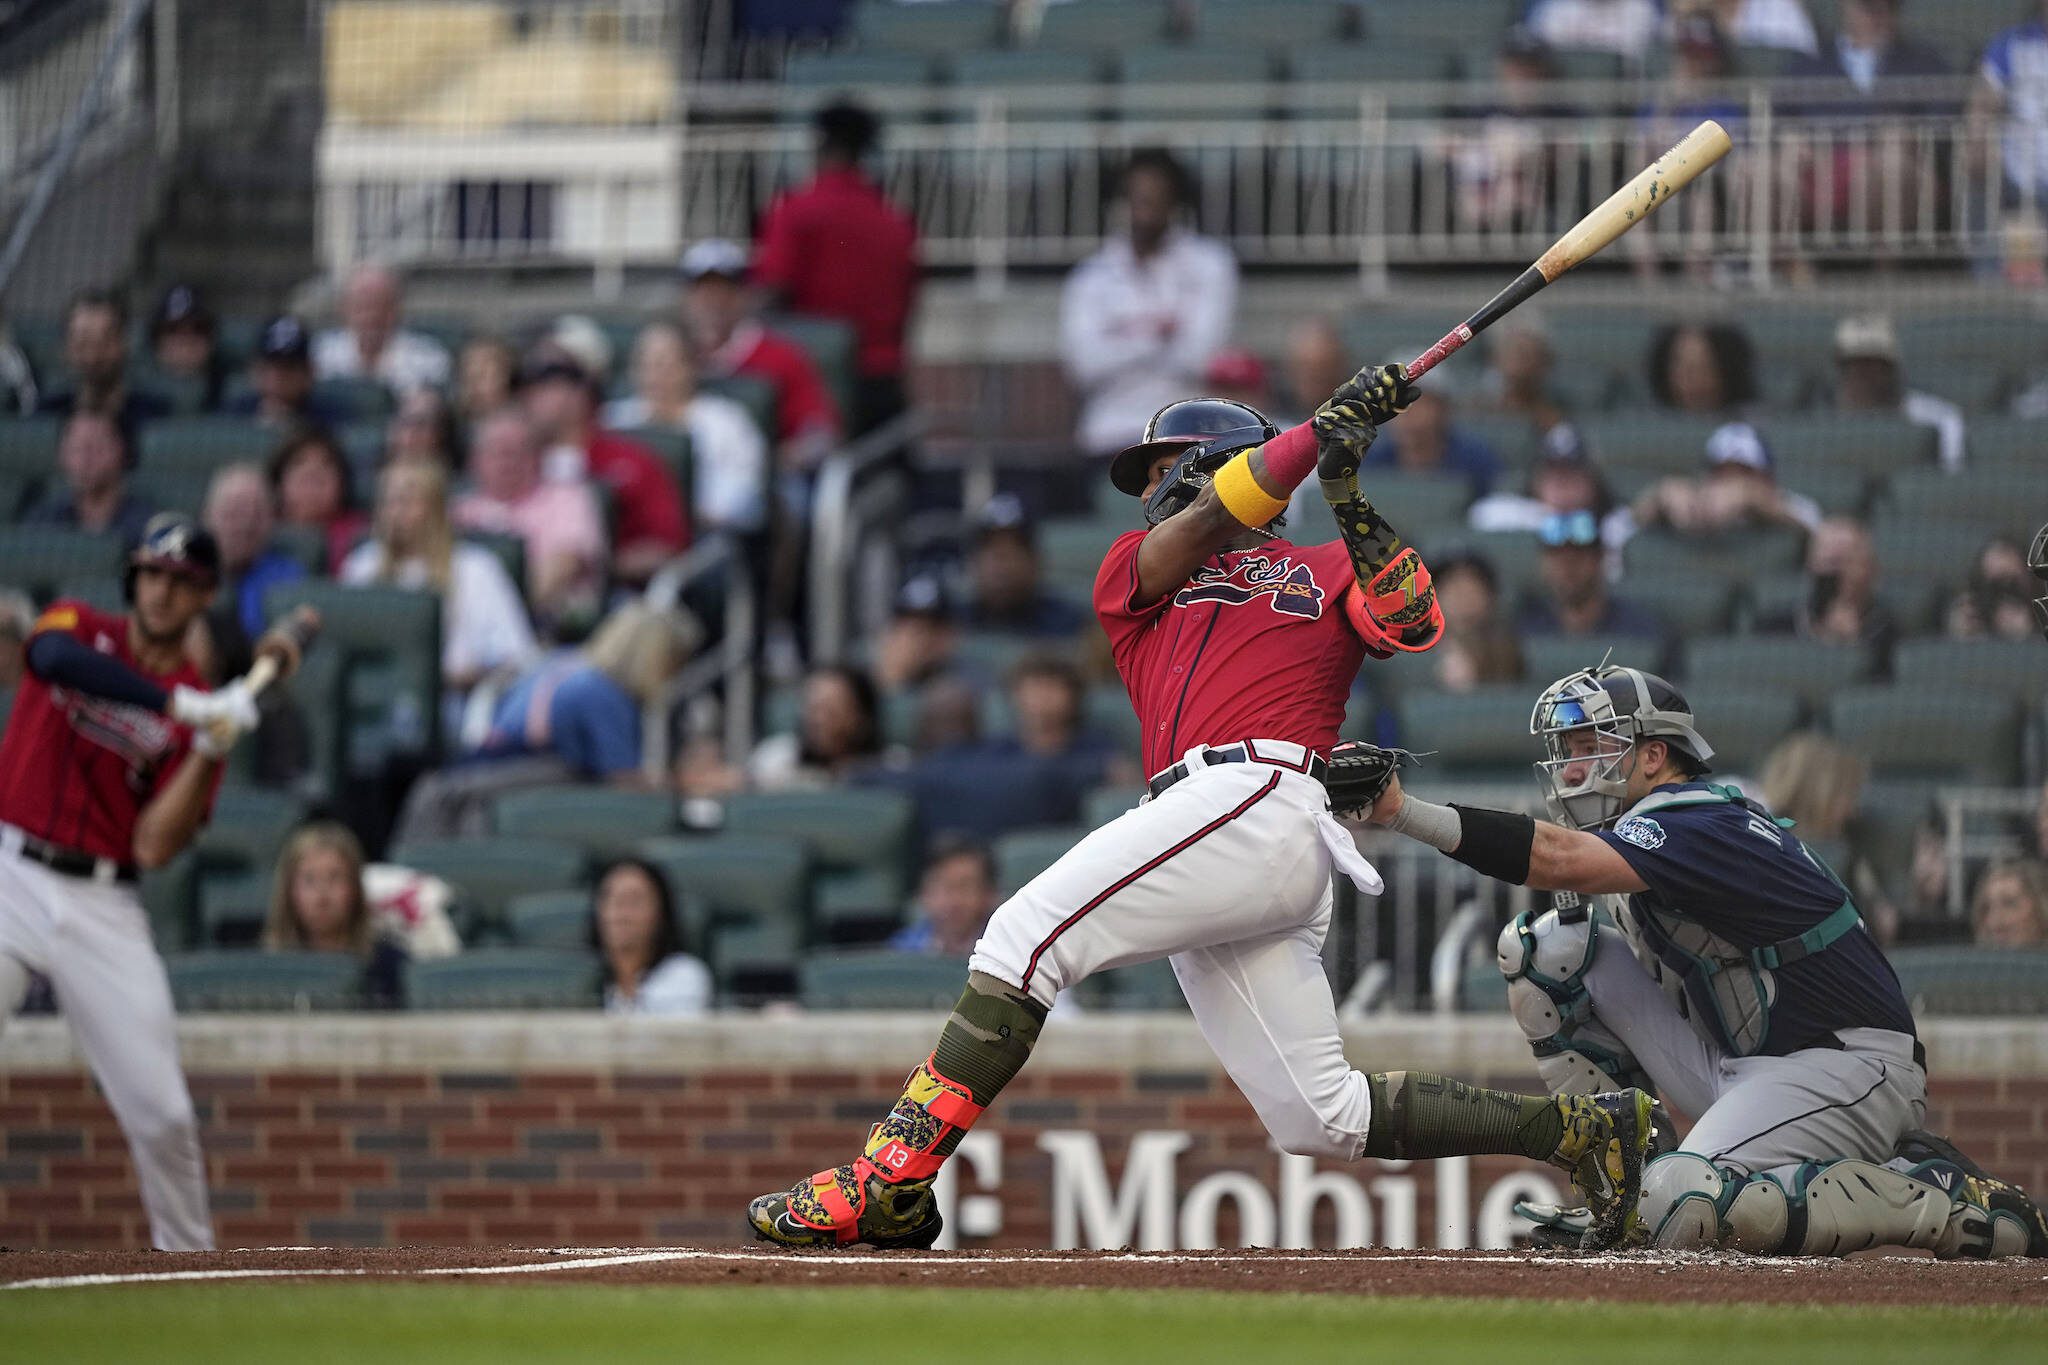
(757, 396)
(1587, 64)
(172, 488)
(1972, 981)
(371, 685)
(1070, 549)
(1743, 724)
(1666, 442)
(2012, 668)
(505, 979)
(1873, 443)
(1837, 489)
(37, 559)
(1257, 25)
(1193, 70)
(1105, 804)
(28, 447)
(1104, 25)
(203, 443)
(1427, 510)
(1688, 603)
(2007, 443)
(1426, 22)
(755, 890)
(1990, 500)
(1025, 853)
(1513, 555)
(859, 843)
(674, 448)
(934, 30)
(1546, 658)
(1912, 549)
(879, 981)
(1107, 711)
(865, 70)
(1808, 669)
(1481, 734)
(306, 544)
(1950, 734)
(1029, 70)
(14, 494)
(1734, 555)
(606, 822)
(550, 919)
(238, 850)
(245, 979)
(830, 345)
(488, 872)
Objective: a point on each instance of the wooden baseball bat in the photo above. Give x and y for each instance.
(302, 627)
(1626, 207)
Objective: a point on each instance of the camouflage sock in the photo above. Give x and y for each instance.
(1418, 1114)
(986, 1042)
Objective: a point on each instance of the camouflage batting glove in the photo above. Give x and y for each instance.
(1347, 424)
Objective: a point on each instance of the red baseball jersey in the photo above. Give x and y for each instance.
(76, 771)
(1255, 646)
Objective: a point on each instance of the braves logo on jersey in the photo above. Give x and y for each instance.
(141, 738)
(1289, 588)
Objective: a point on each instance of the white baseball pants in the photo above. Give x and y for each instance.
(1227, 874)
(92, 940)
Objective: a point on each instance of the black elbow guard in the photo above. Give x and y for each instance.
(1496, 843)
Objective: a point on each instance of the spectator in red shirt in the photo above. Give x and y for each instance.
(718, 312)
(561, 401)
(837, 248)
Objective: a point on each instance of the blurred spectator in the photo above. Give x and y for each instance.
(1869, 378)
(1316, 365)
(17, 618)
(1237, 373)
(1479, 647)
(719, 314)
(239, 514)
(921, 641)
(311, 478)
(1841, 605)
(1629, 27)
(1761, 23)
(183, 342)
(2010, 908)
(94, 457)
(17, 376)
(423, 428)
(1575, 598)
(1426, 439)
(1502, 164)
(948, 713)
(1562, 479)
(1998, 601)
(1141, 318)
(1868, 48)
(1739, 490)
(955, 896)
(728, 453)
(1005, 594)
(837, 248)
(583, 706)
(484, 375)
(1708, 369)
(559, 522)
(1817, 784)
(1517, 382)
(1702, 60)
(483, 621)
(96, 360)
(318, 904)
(1048, 724)
(637, 934)
(838, 735)
(2014, 89)
(281, 381)
(561, 401)
(2037, 836)
(372, 341)
(583, 341)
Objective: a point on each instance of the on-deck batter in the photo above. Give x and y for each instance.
(1238, 650)
(101, 773)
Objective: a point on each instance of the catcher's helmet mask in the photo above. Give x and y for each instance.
(175, 544)
(1202, 434)
(2037, 560)
(1619, 708)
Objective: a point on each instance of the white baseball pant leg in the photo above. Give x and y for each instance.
(1227, 874)
(92, 940)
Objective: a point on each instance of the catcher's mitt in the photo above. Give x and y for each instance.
(1358, 772)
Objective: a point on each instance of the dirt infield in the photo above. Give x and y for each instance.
(1631, 1277)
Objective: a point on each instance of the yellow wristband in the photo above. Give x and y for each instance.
(1241, 495)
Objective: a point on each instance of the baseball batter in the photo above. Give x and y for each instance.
(1238, 650)
(1725, 965)
(109, 765)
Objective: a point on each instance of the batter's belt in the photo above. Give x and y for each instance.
(1292, 757)
(68, 861)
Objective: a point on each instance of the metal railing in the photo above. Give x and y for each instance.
(857, 506)
(1979, 826)
(725, 668)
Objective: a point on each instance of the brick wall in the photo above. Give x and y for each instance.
(620, 1152)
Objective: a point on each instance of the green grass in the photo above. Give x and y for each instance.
(494, 1324)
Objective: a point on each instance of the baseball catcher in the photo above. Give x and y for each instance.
(1238, 650)
(1723, 964)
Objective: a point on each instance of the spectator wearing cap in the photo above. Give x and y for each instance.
(837, 248)
(728, 452)
(1739, 489)
(956, 894)
(718, 311)
(1003, 572)
(561, 402)
(93, 458)
(583, 341)
(1574, 597)
(921, 642)
(282, 394)
(558, 523)
(1869, 377)
(373, 343)
(1563, 478)
(1478, 648)
(1142, 317)
(96, 356)
(184, 344)
(1841, 605)
(1427, 441)
(1627, 27)
(311, 479)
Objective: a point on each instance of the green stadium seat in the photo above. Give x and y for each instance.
(14, 496)
(865, 70)
(358, 399)
(371, 684)
(103, 592)
(507, 547)
(203, 443)
(549, 919)
(1023, 854)
(28, 447)
(934, 30)
(170, 897)
(2013, 668)
(1668, 442)
(755, 890)
(1987, 499)
(234, 905)
(1945, 734)
(1762, 63)
(1546, 658)
(238, 851)
(757, 396)
(606, 822)
(1194, 69)
(1743, 724)
(830, 345)
(2008, 443)
(1256, 25)
(1732, 556)
(860, 844)
(488, 872)
(1918, 550)
(306, 544)
(1423, 22)
(1971, 384)
(1030, 69)
(1070, 549)
(880, 980)
(1686, 602)
(245, 979)
(1808, 669)
(1587, 64)
(1839, 491)
(37, 559)
(505, 979)
(1972, 981)
(1482, 734)
(1107, 710)
(1874, 443)
(172, 488)
(674, 448)
(1514, 556)
(1104, 25)
(1105, 804)
(1998, 338)
(1433, 508)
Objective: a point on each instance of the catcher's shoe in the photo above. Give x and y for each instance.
(1555, 1227)
(1977, 1190)
(846, 1206)
(1606, 1138)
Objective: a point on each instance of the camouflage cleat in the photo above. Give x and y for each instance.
(1606, 1138)
(2011, 1223)
(1554, 1227)
(839, 1208)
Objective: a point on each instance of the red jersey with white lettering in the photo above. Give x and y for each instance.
(1255, 646)
(76, 771)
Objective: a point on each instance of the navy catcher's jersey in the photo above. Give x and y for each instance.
(1729, 868)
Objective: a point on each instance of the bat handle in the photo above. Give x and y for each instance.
(261, 674)
(1435, 355)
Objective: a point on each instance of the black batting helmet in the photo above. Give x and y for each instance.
(2037, 560)
(1222, 424)
(175, 544)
